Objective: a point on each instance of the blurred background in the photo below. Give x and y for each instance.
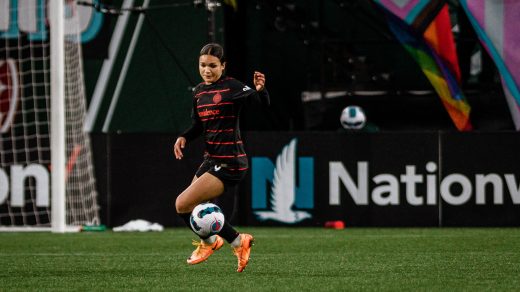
(435, 83)
(319, 57)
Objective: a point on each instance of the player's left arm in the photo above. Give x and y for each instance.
(250, 95)
(259, 82)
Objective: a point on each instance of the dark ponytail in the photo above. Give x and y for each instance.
(215, 50)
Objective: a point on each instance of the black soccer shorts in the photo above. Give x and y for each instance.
(228, 174)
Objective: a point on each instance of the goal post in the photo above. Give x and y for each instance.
(57, 78)
(47, 177)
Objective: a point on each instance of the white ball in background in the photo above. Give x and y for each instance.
(353, 118)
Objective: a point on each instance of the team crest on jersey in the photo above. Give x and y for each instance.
(217, 98)
(8, 93)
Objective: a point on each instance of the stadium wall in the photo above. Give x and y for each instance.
(309, 178)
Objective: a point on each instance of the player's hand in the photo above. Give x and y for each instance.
(259, 81)
(177, 148)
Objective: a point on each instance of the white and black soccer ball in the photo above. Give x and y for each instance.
(353, 118)
(207, 219)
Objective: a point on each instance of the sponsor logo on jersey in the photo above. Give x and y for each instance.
(246, 88)
(217, 98)
(207, 113)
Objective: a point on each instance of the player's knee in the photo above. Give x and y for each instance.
(180, 206)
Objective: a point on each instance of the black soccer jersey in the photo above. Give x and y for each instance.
(215, 114)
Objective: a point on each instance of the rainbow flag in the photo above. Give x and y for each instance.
(435, 53)
(416, 13)
(440, 38)
(495, 23)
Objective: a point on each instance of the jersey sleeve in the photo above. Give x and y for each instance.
(196, 125)
(240, 90)
(263, 97)
(243, 91)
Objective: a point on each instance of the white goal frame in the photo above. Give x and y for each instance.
(49, 121)
(57, 47)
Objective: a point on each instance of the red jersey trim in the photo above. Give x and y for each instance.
(238, 169)
(212, 91)
(214, 118)
(220, 131)
(224, 143)
(214, 104)
(226, 156)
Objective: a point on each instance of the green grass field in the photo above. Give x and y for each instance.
(282, 259)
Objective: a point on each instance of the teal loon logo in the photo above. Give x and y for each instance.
(285, 202)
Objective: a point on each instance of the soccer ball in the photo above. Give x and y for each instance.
(352, 118)
(206, 219)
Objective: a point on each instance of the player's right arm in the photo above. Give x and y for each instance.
(191, 133)
(179, 145)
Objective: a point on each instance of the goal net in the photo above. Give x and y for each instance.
(25, 116)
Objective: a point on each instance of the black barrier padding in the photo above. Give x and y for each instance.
(385, 153)
(146, 178)
(482, 153)
(139, 178)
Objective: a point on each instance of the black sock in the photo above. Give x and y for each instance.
(186, 218)
(228, 232)
(228, 203)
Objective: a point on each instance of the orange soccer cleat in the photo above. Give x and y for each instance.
(203, 251)
(243, 251)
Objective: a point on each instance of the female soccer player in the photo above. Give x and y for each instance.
(217, 102)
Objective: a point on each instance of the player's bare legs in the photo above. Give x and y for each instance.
(202, 189)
